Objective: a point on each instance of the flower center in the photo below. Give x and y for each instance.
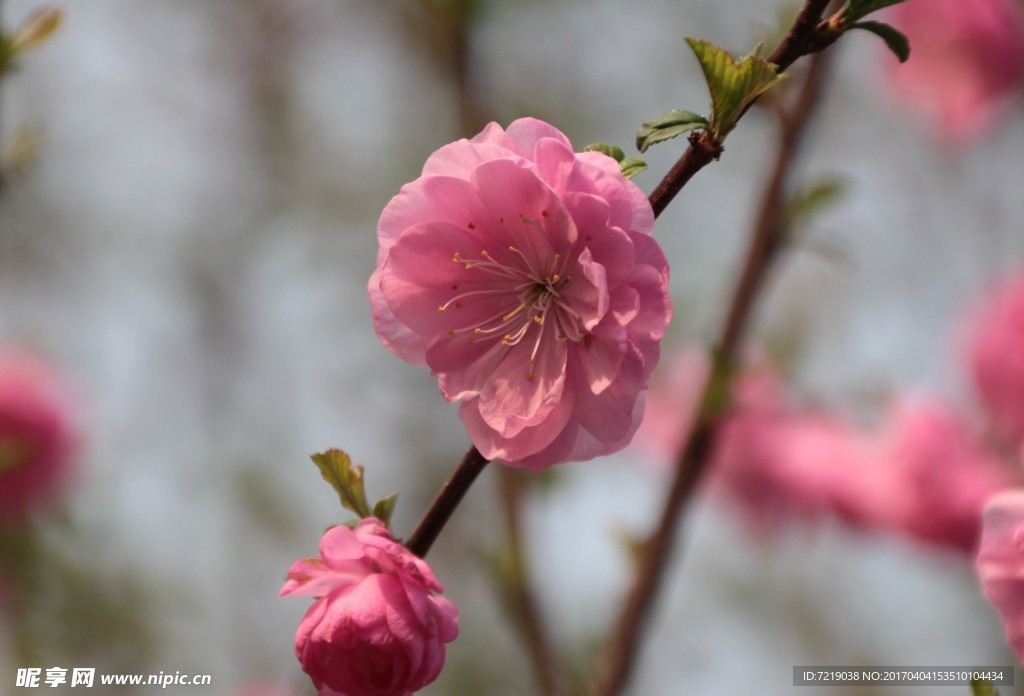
(526, 289)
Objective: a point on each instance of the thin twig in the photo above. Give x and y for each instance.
(446, 501)
(806, 35)
(767, 239)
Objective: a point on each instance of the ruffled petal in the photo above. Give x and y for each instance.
(428, 199)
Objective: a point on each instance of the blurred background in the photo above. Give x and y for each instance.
(190, 250)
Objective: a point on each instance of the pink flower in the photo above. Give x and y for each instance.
(36, 435)
(525, 277)
(997, 357)
(966, 56)
(941, 474)
(1000, 562)
(780, 463)
(377, 628)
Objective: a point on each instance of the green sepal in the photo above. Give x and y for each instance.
(982, 687)
(734, 84)
(613, 151)
(893, 38)
(336, 468)
(856, 9)
(667, 126)
(384, 507)
(631, 166)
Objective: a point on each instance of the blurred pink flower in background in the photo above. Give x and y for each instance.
(377, 627)
(37, 435)
(996, 355)
(1000, 562)
(524, 275)
(925, 475)
(941, 473)
(779, 463)
(966, 56)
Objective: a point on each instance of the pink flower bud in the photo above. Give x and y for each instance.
(997, 357)
(377, 627)
(36, 435)
(525, 276)
(966, 56)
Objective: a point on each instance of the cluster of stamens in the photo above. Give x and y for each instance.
(527, 287)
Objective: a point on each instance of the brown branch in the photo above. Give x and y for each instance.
(447, 500)
(808, 34)
(767, 238)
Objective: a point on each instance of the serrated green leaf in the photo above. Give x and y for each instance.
(894, 39)
(734, 84)
(667, 126)
(613, 151)
(336, 468)
(631, 166)
(982, 687)
(855, 9)
(384, 507)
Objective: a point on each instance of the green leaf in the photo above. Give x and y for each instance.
(718, 394)
(631, 166)
(384, 508)
(855, 9)
(812, 200)
(337, 470)
(667, 126)
(896, 41)
(982, 687)
(734, 84)
(613, 151)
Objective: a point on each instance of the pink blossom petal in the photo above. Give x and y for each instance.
(629, 207)
(426, 200)
(523, 390)
(396, 336)
(588, 293)
(527, 441)
(512, 194)
(526, 133)
(1000, 562)
(600, 358)
(608, 414)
